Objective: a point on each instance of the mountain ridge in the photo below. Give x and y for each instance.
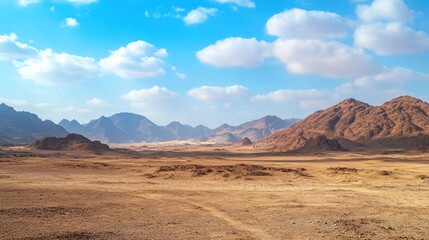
(400, 118)
(20, 127)
(129, 128)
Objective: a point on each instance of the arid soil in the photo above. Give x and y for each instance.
(189, 191)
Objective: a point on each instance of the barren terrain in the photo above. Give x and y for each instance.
(193, 191)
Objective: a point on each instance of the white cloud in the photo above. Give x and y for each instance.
(11, 49)
(288, 95)
(328, 59)
(207, 93)
(137, 60)
(95, 102)
(241, 3)
(396, 75)
(298, 23)
(13, 102)
(70, 109)
(235, 52)
(199, 15)
(179, 9)
(69, 22)
(385, 10)
(57, 68)
(391, 39)
(308, 98)
(45, 105)
(24, 3)
(149, 97)
(385, 31)
(81, 1)
(181, 75)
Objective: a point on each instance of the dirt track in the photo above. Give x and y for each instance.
(235, 196)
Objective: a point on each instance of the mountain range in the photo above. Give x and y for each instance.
(24, 127)
(401, 123)
(129, 128)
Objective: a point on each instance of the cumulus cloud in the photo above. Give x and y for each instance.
(57, 68)
(95, 102)
(305, 98)
(287, 95)
(241, 3)
(391, 39)
(235, 52)
(11, 49)
(199, 15)
(298, 23)
(147, 97)
(328, 59)
(385, 10)
(391, 75)
(137, 60)
(69, 22)
(207, 93)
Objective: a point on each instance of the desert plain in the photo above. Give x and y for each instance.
(185, 190)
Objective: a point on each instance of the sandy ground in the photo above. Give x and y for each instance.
(188, 191)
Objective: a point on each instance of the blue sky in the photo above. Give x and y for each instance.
(209, 61)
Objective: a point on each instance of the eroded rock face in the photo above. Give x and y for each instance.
(321, 143)
(357, 121)
(71, 143)
(245, 142)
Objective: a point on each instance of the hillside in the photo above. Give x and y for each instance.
(24, 127)
(71, 143)
(254, 130)
(352, 121)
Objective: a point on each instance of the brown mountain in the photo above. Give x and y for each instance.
(245, 142)
(392, 125)
(71, 143)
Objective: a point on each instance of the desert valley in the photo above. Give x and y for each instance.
(214, 119)
(352, 171)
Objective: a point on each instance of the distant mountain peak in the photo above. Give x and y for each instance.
(3, 106)
(351, 102)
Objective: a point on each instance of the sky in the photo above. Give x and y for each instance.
(209, 61)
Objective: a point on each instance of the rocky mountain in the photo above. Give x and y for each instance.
(245, 142)
(72, 126)
(24, 127)
(130, 127)
(71, 143)
(223, 138)
(396, 123)
(184, 132)
(254, 130)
